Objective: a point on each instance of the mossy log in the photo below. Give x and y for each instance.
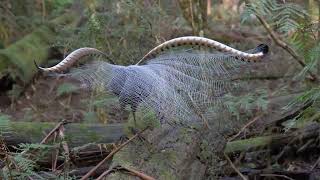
(17, 60)
(76, 134)
(274, 141)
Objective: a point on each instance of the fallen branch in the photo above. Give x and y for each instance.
(244, 127)
(55, 129)
(111, 154)
(234, 167)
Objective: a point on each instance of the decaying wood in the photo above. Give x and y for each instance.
(274, 141)
(76, 134)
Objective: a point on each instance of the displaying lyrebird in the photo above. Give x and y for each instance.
(178, 85)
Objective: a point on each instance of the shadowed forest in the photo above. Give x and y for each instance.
(234, 95)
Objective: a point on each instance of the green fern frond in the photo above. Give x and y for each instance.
(27, 147)
(4, 124)
(312, 61)
(284, 17)
(25, 167)
(311, 96)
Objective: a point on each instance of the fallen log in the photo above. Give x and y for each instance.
(274, 141)
(76, 134)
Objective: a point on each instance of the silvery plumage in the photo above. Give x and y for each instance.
(179, 86)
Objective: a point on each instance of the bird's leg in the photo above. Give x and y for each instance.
(135, 129)
(134, 118)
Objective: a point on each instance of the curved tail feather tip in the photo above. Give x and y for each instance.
(37, 66)
(263, 48)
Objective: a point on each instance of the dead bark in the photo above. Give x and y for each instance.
(76, 134)
(274, 141)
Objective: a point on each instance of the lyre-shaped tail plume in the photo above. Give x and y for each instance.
(71, 59)
(262, 49)
(179, 87)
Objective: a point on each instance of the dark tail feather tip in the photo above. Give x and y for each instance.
(263, 48)
(36, 64)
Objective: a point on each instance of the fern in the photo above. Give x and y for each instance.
(284, 17)
(25, 166)
(295, 24)
(247, 103)
(311, 96)
(4, 124)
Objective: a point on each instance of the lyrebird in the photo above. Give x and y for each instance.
(178, 85)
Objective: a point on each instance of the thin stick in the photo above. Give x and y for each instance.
(105, 173)
(55, 155)
(276, 175)
(138, 174)
(56, 128)
(244, 127)
(315, 164)
(234, 167)
(111, 154)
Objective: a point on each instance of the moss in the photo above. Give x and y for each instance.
(240, 145)
(30, 129)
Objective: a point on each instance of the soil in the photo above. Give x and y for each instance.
(40, 102)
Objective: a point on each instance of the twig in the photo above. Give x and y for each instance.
(276, 175)
(131, 171)
(56, 128)
(106, 173)
(111, 154)
(244, 127)
(234, 167)
(137, 173)
(284, 45)
(66, 150)
(55, 155)
(315, 164)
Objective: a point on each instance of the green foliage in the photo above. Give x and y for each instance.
(294, 23)
(311, 96)
(248, 103)
(66, 88)
(4, 124)
(125, 29)
(144, 117)
(284, 17)
(20, 166)
(20, 17)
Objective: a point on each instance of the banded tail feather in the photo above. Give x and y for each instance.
(178, 87)
(261, 50)
(71, 59)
